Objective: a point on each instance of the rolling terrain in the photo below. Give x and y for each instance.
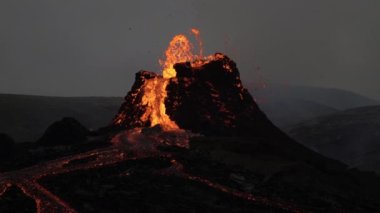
(351, 136)
(25, 118)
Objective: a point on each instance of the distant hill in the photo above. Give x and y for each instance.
(289, 105)
(351, 136)
(288, 112)
(25, 118)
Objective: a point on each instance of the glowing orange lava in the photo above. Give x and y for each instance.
(197, 35)
(181, 50)
(178, 51)
(154, 101)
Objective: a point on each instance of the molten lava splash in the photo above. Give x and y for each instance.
(154, 101)
(179, 50)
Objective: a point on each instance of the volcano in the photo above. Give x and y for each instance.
(208, 99)
(201, 94)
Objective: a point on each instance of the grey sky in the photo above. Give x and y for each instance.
(94, 47)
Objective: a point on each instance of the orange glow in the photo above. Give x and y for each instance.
(179, 50)
(154, 101)
(196, 33)
(119, 118)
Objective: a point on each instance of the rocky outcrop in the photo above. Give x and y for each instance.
(64, 132)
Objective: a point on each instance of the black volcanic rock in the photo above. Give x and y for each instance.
(64, 132)
(15, 201)
(212, 100)
(6, 145)
(207, 99)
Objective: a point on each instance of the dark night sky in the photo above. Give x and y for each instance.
(94, 47)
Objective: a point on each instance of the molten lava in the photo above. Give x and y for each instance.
(154, 90)
(154, 94)
(179, 50)
(196, 33)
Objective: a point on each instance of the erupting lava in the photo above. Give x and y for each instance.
(179, 50)
(154, 94)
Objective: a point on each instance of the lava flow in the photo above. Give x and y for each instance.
(128, 145)
(151, 128)
(179, 50)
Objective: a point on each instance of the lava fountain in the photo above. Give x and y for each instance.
(154, 92)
